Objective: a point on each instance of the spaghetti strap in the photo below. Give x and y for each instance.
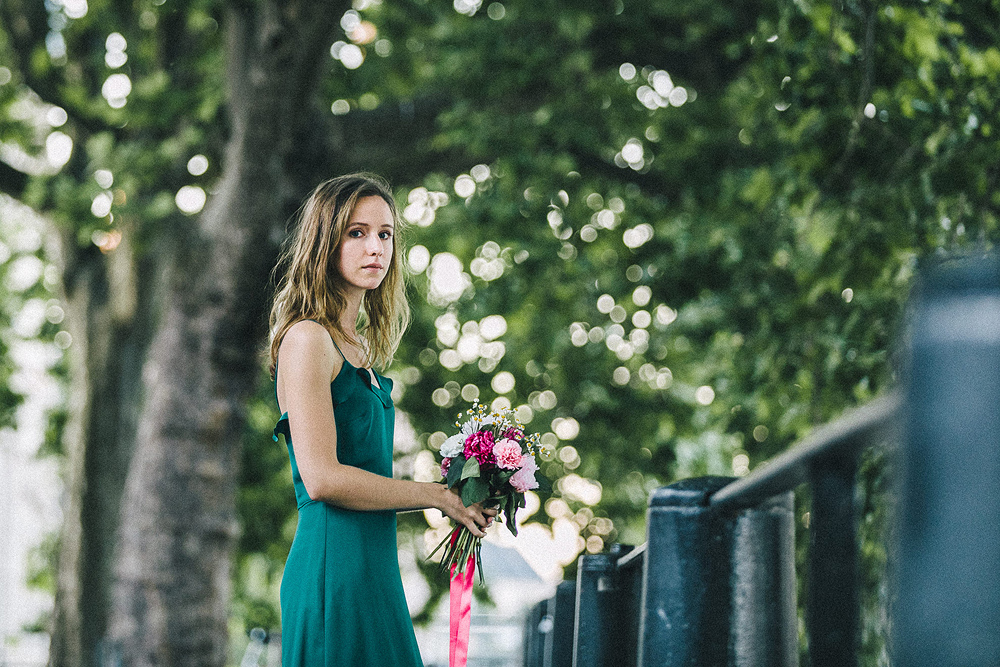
(369, 373)
(276, 401)
(332, 339)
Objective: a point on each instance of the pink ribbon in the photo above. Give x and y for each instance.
(460, 617)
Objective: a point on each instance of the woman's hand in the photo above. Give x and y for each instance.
(475, 517)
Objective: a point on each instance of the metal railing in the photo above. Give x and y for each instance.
(715, 583)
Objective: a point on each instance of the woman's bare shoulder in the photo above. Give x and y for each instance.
(306, 331)
(308, 343)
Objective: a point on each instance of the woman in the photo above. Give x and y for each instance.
(339, 313)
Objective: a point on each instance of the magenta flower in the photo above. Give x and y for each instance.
(445, 464)
(514, 434)
(480, 446)
(507, 454)
(524, 479)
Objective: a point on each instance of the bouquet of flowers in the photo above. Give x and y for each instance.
(490, 459)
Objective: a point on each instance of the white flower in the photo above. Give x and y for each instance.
(473, 425)
(454, 445)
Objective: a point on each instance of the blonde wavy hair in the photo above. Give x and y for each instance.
(309, 286)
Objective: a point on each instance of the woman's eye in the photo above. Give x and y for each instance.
(354, 233)
(385, 235)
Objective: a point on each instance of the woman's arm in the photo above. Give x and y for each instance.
(307, 362)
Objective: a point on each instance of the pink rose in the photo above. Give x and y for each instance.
(524, 479)
(480, 446)
(445, 464)
(507, 454)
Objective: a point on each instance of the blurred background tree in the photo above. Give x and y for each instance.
(674, 236)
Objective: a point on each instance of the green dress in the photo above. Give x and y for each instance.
(342, 601)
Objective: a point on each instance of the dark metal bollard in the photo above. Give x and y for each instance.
(834, 605)
(562, 609)
(537, 626)
(718, 588)
(948, 606)
(603, 627)
(630, 569)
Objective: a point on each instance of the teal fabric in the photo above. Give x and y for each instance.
(342, 600)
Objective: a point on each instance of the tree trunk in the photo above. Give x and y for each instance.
(109, 320)
(170, 598)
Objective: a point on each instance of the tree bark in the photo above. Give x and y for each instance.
(109, 321)
(170, 598)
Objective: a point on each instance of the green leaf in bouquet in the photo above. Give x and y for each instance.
(503, 477)
(510, 511)
(470, 469)
(474, 490)
(455, 470)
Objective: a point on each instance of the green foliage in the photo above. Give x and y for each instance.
(29, 310)
(266, 507)
(698, 221)
(42, 567)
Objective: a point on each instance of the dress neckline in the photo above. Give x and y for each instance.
(369, 372)
(370, 375)
(364, 374)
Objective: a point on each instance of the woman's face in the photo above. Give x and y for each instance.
(366, 246)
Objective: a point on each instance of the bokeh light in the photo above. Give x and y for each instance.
(115, 55)
(492, 327)
(351, 56)
(74, 9)
(566, 428)
(101, 205)
(116, 90)
(115, 42)
(197, 165)
(350, 21)
(503, 382)
(56, 116)
(104, 178)
(467, 7)
(422, 205)
(190, 199)
(58, 149)
(704, 395)
(638, 235)
(364, 32)
(465, 186)
(418, 259)
(447, 279)
(741, 465)
(665, 315)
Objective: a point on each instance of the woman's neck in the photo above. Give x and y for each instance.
(349, 317)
